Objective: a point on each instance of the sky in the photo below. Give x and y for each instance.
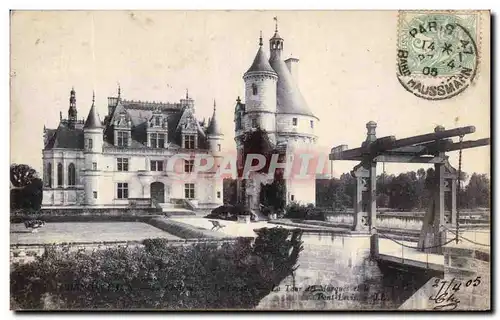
(347, 73)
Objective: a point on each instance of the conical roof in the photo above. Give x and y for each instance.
(213, 127)
(261, 63)
(92, 121)
(289, 98)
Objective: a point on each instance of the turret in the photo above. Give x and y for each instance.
(93, 143)
(214, 133)
(260, 94)
(72, 112)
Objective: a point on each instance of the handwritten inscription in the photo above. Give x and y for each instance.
(445, 298)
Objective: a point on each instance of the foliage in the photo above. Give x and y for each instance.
(273, 195)
(229, 189)
(28, 197)
(159, 276)
(22, 175)
(406, 191)
(299, 211)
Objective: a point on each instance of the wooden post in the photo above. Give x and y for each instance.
(439, 236)
(454, 203)
(372, 209)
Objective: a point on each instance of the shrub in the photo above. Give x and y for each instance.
(299, 211)
(158, 276)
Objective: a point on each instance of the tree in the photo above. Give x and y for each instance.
(22, 175)
(477, 192)
(404, 191)
(28, 188)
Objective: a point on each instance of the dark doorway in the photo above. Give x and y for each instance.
(158, 192)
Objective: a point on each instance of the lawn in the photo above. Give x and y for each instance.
(58, 232)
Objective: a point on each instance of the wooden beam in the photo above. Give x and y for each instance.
(433, 136)
(409, 159)
(468, 144)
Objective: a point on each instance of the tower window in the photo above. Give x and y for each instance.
(218, 147)
(312, 124)
(294, 120)
(254, 123)
(89, 145)
(95, 194)
(254, 89)
(94, 166)
(292, 197)
(218, 194)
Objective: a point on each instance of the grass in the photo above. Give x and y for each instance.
(60, 232)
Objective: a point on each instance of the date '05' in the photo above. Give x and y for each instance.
(445, 298)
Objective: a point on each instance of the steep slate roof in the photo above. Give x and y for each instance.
(261, 63)
(139, 113)
(92, 121)
(289, 98)
(213, 127)
(65, 138)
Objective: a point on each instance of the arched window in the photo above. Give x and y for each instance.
(254, 89)
(71, 175)
(59, 175)
(48, 177)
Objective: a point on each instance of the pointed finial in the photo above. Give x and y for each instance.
(215, 105)
(60, 115)
(238, 99)
(187, 93)
(119, 91)
(93, 97)
(260, 38)
(276, 21)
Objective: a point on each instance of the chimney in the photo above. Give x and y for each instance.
(293, 64)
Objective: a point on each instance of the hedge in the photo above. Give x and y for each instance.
(158, 276)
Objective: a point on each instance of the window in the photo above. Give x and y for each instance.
(254, 123)
(189, 190)
(292, 197)
(254, 89)
(122, 164)
(189, 141)
(59, 175)
(122, 190)
(90, 146)
(218, 147)
(218, 194)
(95, 194)
(122, 139)
(94, 166)
(157, 121)
(157, 140)
(312, 124)
(71, 175)
(48, 178)
(188, 165)
(294, 120)
(156, 165)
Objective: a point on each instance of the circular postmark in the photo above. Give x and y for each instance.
(437, 54)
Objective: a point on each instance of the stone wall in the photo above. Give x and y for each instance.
(336, 273)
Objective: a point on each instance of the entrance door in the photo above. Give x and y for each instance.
(158, 192)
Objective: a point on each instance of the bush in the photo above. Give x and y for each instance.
(158, 276)
(299, 211)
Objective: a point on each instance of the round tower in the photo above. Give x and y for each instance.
(93, 142)
(260, 95)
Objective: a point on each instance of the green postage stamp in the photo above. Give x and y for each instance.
(437, 52)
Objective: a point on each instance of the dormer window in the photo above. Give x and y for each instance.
(157, 140)
(157, 121)
(189, 141)
(122, 139)
(254, 89)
